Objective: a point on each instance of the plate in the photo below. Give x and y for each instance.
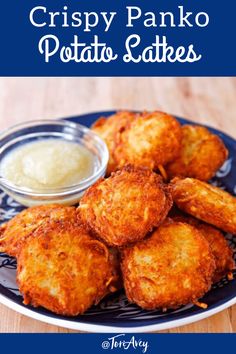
(115, 313)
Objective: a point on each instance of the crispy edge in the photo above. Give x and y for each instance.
(2, 237)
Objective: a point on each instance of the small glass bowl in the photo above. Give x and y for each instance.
(57, 129)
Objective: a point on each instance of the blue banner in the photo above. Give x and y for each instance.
(118, 343)
(118, 38)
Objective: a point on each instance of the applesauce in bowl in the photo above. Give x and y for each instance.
(49, 161)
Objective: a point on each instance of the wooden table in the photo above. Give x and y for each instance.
(206, 100)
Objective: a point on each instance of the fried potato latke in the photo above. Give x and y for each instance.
(109, 130)
(23, 224)
(62, 268)
(173, 267)
(220, 248)
(206, 202)
(152, 139)
(202, 153)
(126, 206)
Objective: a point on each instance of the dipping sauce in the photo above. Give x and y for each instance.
(47, 164)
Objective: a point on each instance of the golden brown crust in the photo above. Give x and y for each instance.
(150, 140)
(126, 206)
(62, 268)
(173, 267)
(221, 251)
(202, 153)
(18, 229)
(205, 202)
(2, 231)
(109, 129)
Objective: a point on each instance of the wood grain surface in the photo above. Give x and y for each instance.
(204, 100)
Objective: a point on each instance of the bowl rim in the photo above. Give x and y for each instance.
(60, 191)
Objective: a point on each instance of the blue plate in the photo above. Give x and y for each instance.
(115, 313)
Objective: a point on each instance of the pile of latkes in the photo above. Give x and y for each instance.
(133, 228)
